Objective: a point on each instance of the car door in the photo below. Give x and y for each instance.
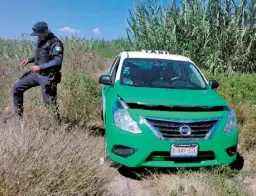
(106, 89)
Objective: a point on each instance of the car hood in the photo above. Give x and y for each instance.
(170, 97)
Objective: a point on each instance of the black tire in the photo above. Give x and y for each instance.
(238, 164)
(101, 114)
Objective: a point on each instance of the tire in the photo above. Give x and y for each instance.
(101, 114)
(238, 164)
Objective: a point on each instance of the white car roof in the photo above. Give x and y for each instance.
(155, 54)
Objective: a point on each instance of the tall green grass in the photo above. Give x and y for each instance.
(218, 35)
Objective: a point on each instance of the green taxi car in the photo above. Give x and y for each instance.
(160, 111)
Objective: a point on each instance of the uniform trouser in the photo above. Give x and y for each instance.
(49, 91)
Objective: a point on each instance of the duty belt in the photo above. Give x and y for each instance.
(44, 73)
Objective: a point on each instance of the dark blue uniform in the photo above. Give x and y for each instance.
(49, 57)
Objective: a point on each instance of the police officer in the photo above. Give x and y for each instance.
(45, 70)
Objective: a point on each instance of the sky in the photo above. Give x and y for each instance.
(84, 18)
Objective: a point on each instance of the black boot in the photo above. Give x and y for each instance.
(19, 111)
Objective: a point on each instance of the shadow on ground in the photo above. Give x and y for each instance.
(97, 129)
(142, 172)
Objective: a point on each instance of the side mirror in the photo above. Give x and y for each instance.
(105, 79)
(214, 84)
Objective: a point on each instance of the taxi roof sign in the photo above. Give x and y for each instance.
(157, 51)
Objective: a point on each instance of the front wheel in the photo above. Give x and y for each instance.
(238, 164)
(101, 114)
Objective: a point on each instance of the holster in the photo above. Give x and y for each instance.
(55, 77)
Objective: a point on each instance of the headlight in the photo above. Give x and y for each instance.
(123, 120)
(231, 124)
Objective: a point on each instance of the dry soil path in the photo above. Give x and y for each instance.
(124, 186)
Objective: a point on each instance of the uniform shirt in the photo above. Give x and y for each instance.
(55, 51)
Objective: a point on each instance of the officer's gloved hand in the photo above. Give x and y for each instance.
(24, 62)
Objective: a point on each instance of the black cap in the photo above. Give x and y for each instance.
(39, 28)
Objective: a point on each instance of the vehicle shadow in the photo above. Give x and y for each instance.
(97, 130)
(145, 172)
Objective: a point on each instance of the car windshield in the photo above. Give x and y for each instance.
(159, 73)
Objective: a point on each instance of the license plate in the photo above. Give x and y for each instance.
(184, 150)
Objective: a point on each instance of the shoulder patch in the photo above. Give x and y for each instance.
(57, 49)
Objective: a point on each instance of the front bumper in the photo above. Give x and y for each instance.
(146, 150)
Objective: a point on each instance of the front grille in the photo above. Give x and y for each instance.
(165, 156)
(170, 129)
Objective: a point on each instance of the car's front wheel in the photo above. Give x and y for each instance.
(238, 164)
(101, 114)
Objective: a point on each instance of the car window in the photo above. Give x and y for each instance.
(161, 73)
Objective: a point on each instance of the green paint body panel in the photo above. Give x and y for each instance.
(146, 142)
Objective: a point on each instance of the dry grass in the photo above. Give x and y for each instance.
(246, 116)
(39, 157)
(52, 162)
(196, 183)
